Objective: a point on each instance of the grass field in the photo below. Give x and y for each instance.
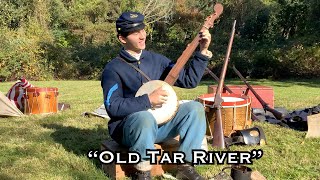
(56, 146)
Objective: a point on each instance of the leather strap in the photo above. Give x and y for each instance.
(134, 67)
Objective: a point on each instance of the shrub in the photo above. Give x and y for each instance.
(21, 56)
(300, 61)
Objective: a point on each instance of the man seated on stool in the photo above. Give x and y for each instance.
(131, 124)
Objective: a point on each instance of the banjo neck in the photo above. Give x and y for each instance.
(166, 111)
(187, 53)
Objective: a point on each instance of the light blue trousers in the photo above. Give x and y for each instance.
(141, 130)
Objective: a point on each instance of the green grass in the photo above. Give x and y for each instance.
(55, 146)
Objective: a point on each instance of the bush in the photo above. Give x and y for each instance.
(300, 61)
(265, 64)
(21, 56)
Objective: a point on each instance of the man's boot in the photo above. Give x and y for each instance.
(142, 175)
(143, 171)
(188, 172)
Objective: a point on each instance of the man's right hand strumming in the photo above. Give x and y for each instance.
(158, 97)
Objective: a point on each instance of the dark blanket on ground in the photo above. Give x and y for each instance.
(296, 119)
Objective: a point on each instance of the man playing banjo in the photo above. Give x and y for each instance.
(131, 123)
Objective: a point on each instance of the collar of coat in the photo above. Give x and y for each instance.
(125, 55)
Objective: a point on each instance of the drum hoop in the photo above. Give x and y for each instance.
(245, 100)
(230, 106)
(37, 89)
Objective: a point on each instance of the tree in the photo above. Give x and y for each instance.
(291, 17)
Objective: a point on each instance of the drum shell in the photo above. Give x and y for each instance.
(41, 100)
(235, 115)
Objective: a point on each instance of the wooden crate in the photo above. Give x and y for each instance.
(120, 171)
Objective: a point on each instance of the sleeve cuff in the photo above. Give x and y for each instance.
(201, 56)
(146, 101)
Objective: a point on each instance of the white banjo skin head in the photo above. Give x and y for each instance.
(169, 108)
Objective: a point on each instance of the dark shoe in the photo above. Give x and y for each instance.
(187, 172)
(142, 175)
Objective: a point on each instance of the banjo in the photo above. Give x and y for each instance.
(167, 110)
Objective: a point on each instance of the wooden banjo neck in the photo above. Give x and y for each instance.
(167, 110)
(187, 53)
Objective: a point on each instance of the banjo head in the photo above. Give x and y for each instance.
(163, 113)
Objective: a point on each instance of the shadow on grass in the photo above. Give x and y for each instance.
(79, 141)
(6, 177)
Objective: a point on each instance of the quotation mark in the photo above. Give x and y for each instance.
(257, 154)
(92, 154)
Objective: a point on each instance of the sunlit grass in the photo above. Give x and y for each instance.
(56, 146)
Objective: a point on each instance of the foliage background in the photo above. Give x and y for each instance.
(68, 39)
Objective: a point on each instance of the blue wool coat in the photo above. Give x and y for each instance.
(120, 82)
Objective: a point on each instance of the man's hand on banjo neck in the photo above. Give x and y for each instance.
(204, 43)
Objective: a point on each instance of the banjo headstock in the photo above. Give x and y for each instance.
(218, 9)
